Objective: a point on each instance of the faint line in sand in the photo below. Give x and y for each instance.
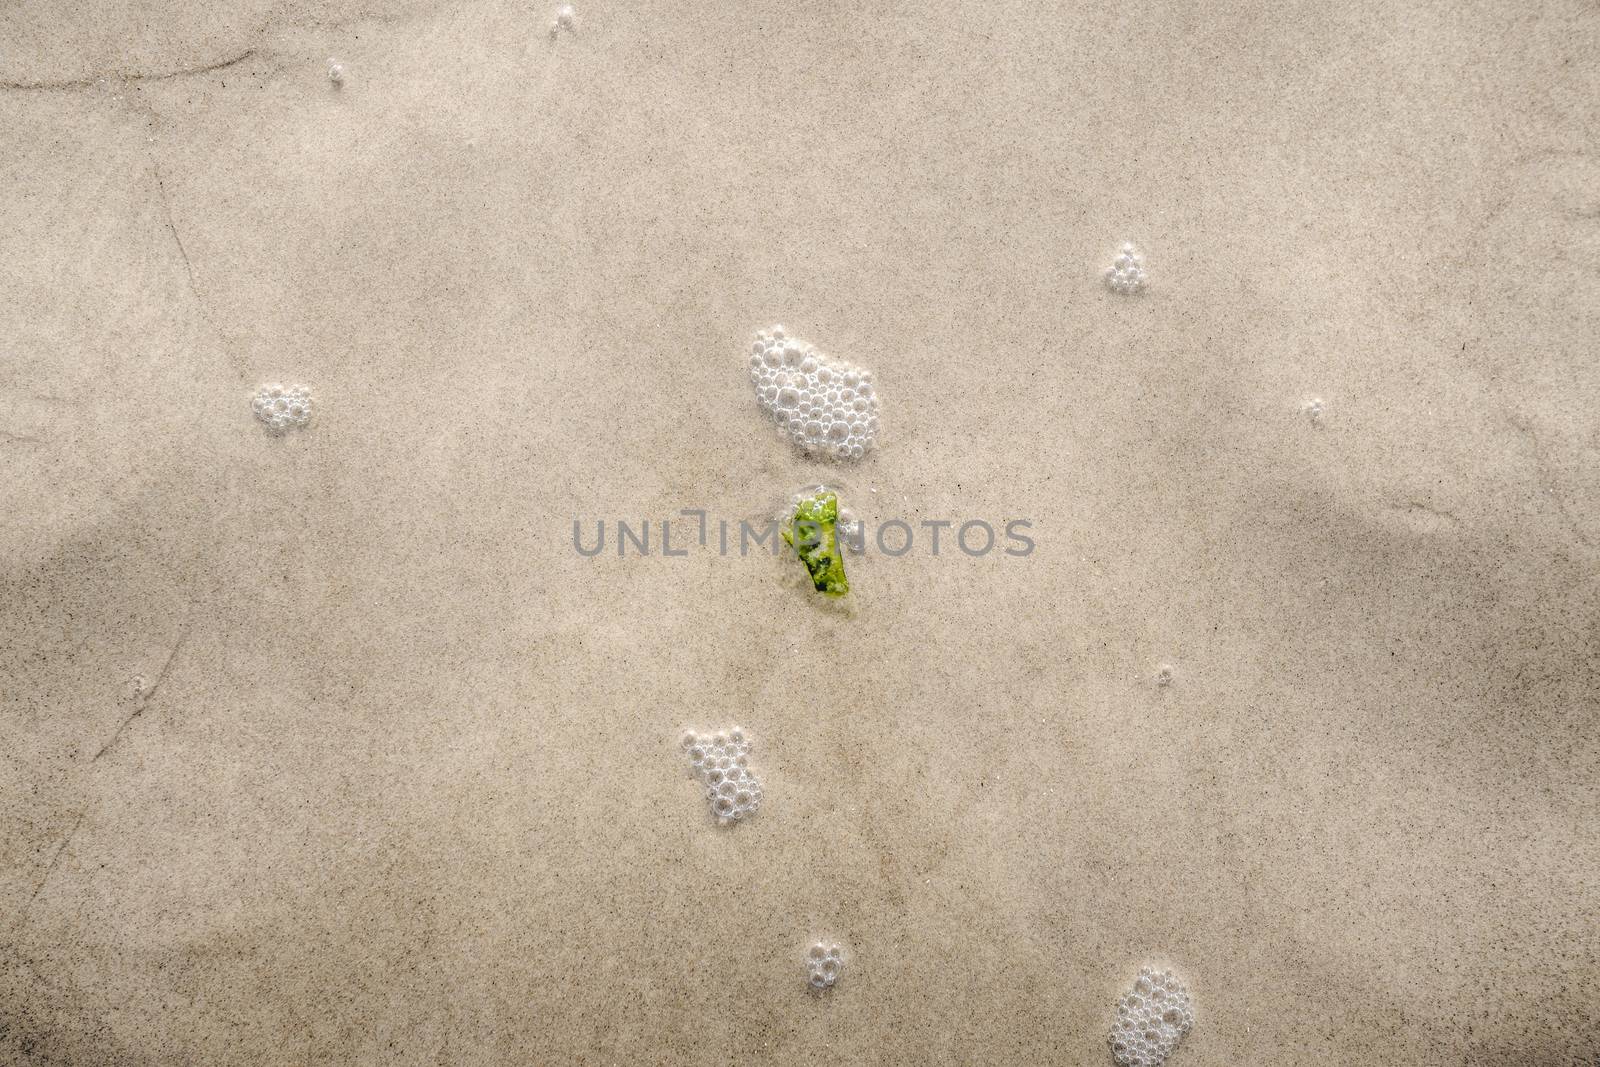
(90, 81)
(142, 699)
(1542, 473)
(50, 868)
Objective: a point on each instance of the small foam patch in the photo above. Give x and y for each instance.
(1126, 273)
(720, 762)
(824, 965)
(282, 408)
(1151, 1019)
(824, 405)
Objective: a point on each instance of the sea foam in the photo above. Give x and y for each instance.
(824, 405)
(1151, 1019)
(720, 762)
(1126, 273)
(282, 407)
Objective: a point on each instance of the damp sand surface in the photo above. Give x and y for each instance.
(325, 747)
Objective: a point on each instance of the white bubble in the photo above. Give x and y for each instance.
(824, 965)
(809, 403)
(335, 72)
(282, 408)
(1150, 1020)
(1126, 273)
(719, 763)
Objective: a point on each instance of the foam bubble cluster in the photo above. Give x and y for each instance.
(282, 407)
(720, 762)
(824, 405)
(335, 72)
(1151, 1019)
(1126, 273)
(565, 19)
(824, 965)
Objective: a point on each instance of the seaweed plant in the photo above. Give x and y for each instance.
(813, 534)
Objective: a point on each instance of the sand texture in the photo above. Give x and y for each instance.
(327, 748)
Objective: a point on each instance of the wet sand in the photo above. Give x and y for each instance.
(401, 782)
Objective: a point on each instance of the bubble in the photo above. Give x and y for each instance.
(1126, 273)
(812, 397)
(720, 764)
(1151, 1020)
(282, 408)
(824, 965)
(335, 72)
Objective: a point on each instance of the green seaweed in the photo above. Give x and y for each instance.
(813, 534)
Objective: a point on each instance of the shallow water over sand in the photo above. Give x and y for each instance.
(396, 775)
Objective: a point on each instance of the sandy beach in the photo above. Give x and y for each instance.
(328, 747)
